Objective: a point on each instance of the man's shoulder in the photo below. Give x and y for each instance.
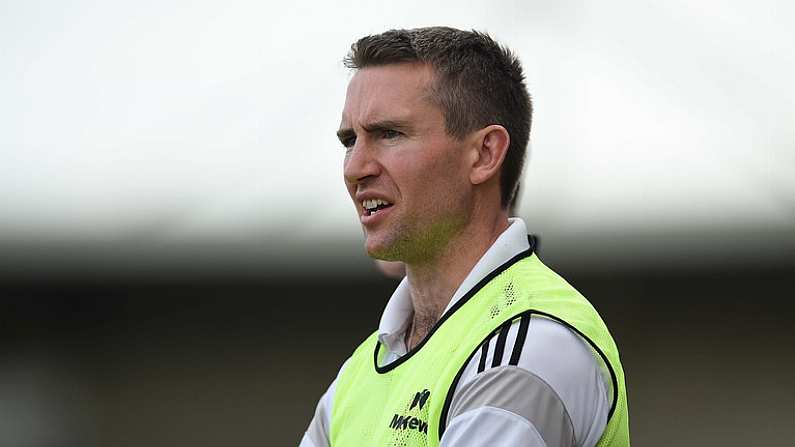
(548, 370)
(539, 345)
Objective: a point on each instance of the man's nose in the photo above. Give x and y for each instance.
(360, 163)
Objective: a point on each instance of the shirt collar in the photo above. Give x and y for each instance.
(399, 310)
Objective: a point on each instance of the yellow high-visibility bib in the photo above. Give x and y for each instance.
(405, 403)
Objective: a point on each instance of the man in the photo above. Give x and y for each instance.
(480, 344)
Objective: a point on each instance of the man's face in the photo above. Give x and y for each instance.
(407, 177)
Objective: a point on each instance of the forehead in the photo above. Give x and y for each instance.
(396, 91)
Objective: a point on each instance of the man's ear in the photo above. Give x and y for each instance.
(490, 145)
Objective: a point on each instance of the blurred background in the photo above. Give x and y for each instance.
(180, 263)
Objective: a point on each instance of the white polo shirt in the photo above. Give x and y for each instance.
(558, 394)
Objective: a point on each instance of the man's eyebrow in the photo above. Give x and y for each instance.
(386, 125)
(376, 126)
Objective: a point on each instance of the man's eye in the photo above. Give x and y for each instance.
(389, 134)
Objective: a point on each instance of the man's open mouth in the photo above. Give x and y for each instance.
(373, 206)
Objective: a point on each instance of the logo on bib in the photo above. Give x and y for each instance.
(408, 421)
(420, 399)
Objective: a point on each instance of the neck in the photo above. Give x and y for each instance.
(432, 283)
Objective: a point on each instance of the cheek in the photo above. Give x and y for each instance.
(434, 185)
(428, 171)
(420, 177)
(444, 171)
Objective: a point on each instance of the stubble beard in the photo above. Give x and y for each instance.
(416, 242)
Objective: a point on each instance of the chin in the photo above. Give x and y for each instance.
(381, 250)
(377, 253)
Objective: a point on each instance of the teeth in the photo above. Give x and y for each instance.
(371, 204)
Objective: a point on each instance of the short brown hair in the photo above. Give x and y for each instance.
(478, 83)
